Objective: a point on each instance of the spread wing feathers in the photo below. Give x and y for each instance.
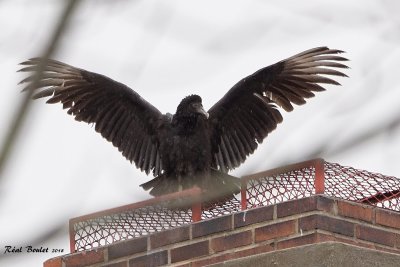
(120, 115)
(248, 112)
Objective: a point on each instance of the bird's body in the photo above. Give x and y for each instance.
(192, 147)
(185, 152)
(186, 155)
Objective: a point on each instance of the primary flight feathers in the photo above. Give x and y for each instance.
(226, 134)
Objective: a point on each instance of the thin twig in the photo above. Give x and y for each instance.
(20, 115)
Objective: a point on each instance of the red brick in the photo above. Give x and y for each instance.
(308, 223)
(354, 242)
(233, 255)
(275, 230)
(231, 241)
(212, 260)
(296, 206)
(253, 251)
(396, 251)
(154, 259)
(169, 237)
(319, 238)
(398, 241)
(84, 258)
(325, 237)
(387, 218)
(330, 224)
(190, 251)
(336, 226)
(326, 204)
(252, 216)
(356, 211)
(54, 262)
(117, 264)
(216, 225)
(297, 241)
(127, 248)
(376, 235)
(304, 240)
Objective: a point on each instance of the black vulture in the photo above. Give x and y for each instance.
(192, 147)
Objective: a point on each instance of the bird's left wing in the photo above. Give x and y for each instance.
(120, 115)
(248, 112)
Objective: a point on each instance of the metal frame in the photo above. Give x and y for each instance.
(319, 182)
(192, 193)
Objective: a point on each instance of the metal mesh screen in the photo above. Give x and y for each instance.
(111, 228)
(362, 186)
(229, 207)
(280, 187)
(91, 231)
(267, 188)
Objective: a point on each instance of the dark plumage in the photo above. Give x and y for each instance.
(192, 147)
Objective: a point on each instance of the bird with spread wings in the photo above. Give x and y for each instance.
(193, 147)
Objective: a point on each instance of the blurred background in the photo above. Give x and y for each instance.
(58, 168)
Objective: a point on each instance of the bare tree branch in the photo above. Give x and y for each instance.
(355, 141)
(19, 116)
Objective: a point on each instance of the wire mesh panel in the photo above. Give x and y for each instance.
(143, 218)
(281, 184)
(362, 186)
(301, 180)
(228, 207)
(261, 189)
(111, 228)
(280, 187)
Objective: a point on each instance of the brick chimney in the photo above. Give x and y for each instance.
(317, 230)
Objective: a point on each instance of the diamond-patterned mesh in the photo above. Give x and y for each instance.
(267, 188)
(111, 228)
(298, 181)
(229, 207)
(362, 186)
(91, 231)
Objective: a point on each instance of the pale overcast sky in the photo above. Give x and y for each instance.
(166, 50)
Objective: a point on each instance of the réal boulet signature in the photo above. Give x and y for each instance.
(30, 249)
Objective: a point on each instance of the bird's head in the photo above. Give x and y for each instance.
(191, 105)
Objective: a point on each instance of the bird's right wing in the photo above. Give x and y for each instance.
(248, 112)
(120, 115)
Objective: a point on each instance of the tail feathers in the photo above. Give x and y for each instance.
(150, 184)
(220, 188)
(217, 187)
(224, 182)
(160, 185)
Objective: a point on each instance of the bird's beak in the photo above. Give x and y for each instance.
(202, 111)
